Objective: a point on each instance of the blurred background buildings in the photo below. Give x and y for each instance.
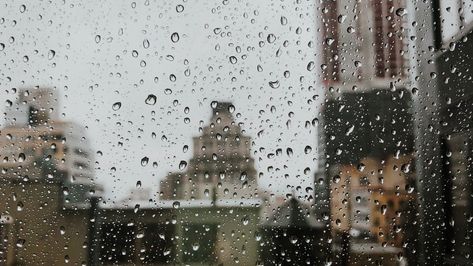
(374, 52)
(393, 185)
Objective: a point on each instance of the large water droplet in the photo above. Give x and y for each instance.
(151, 99)
(175, 37)
(20, 243)
(20, 206)
(21, 157)
(311, 66)
(176, 205)
(274, 84)
(116, 106)
(144, 161)
(271, 38)
(179, 8)
(401, 12)
(145, 43)
(233, 59)
(51, 54)
(283, 20)
(182, 165)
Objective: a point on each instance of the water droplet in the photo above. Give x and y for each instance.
(2, 46)
(233, 59)
(258, 236)
(336, 179)
(98, 38)
(401, 12)
(195, 246)
(245, 220)
(307, 171)
(138, 184)
(144, 161)
(311, 66)
(151, 99)
(274, 84)
(145, 43)
(116, 106)
(179, 8)
(21, 157)
(329, 41)
(283, 20)
(20, 243)
(307, 149)
(22, 8)
(176, 205)
(175, 37)
(182, 165)
(51, 54)
(271, 38)
(20, 206)
(289, 152)
(349, 130)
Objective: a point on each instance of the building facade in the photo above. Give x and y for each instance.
(33, 135)
(46, 180)
(367, 117)
(221, 166)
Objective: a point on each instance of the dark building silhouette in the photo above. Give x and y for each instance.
(456, 146)
(292, 237)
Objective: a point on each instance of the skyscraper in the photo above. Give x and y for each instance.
(363, 42)
(367, 110)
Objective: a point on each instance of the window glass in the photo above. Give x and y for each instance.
(272, 132)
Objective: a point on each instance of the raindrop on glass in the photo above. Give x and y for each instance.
(175, 37)
(151, 99)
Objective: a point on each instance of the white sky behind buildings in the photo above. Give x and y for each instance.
(273, 41)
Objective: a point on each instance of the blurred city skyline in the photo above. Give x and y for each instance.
(99, 62)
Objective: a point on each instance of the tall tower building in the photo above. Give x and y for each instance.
(35, 144)
(367, 110)
(363, 42)
(221, 166)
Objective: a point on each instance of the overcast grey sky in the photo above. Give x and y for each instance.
(94, 66)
